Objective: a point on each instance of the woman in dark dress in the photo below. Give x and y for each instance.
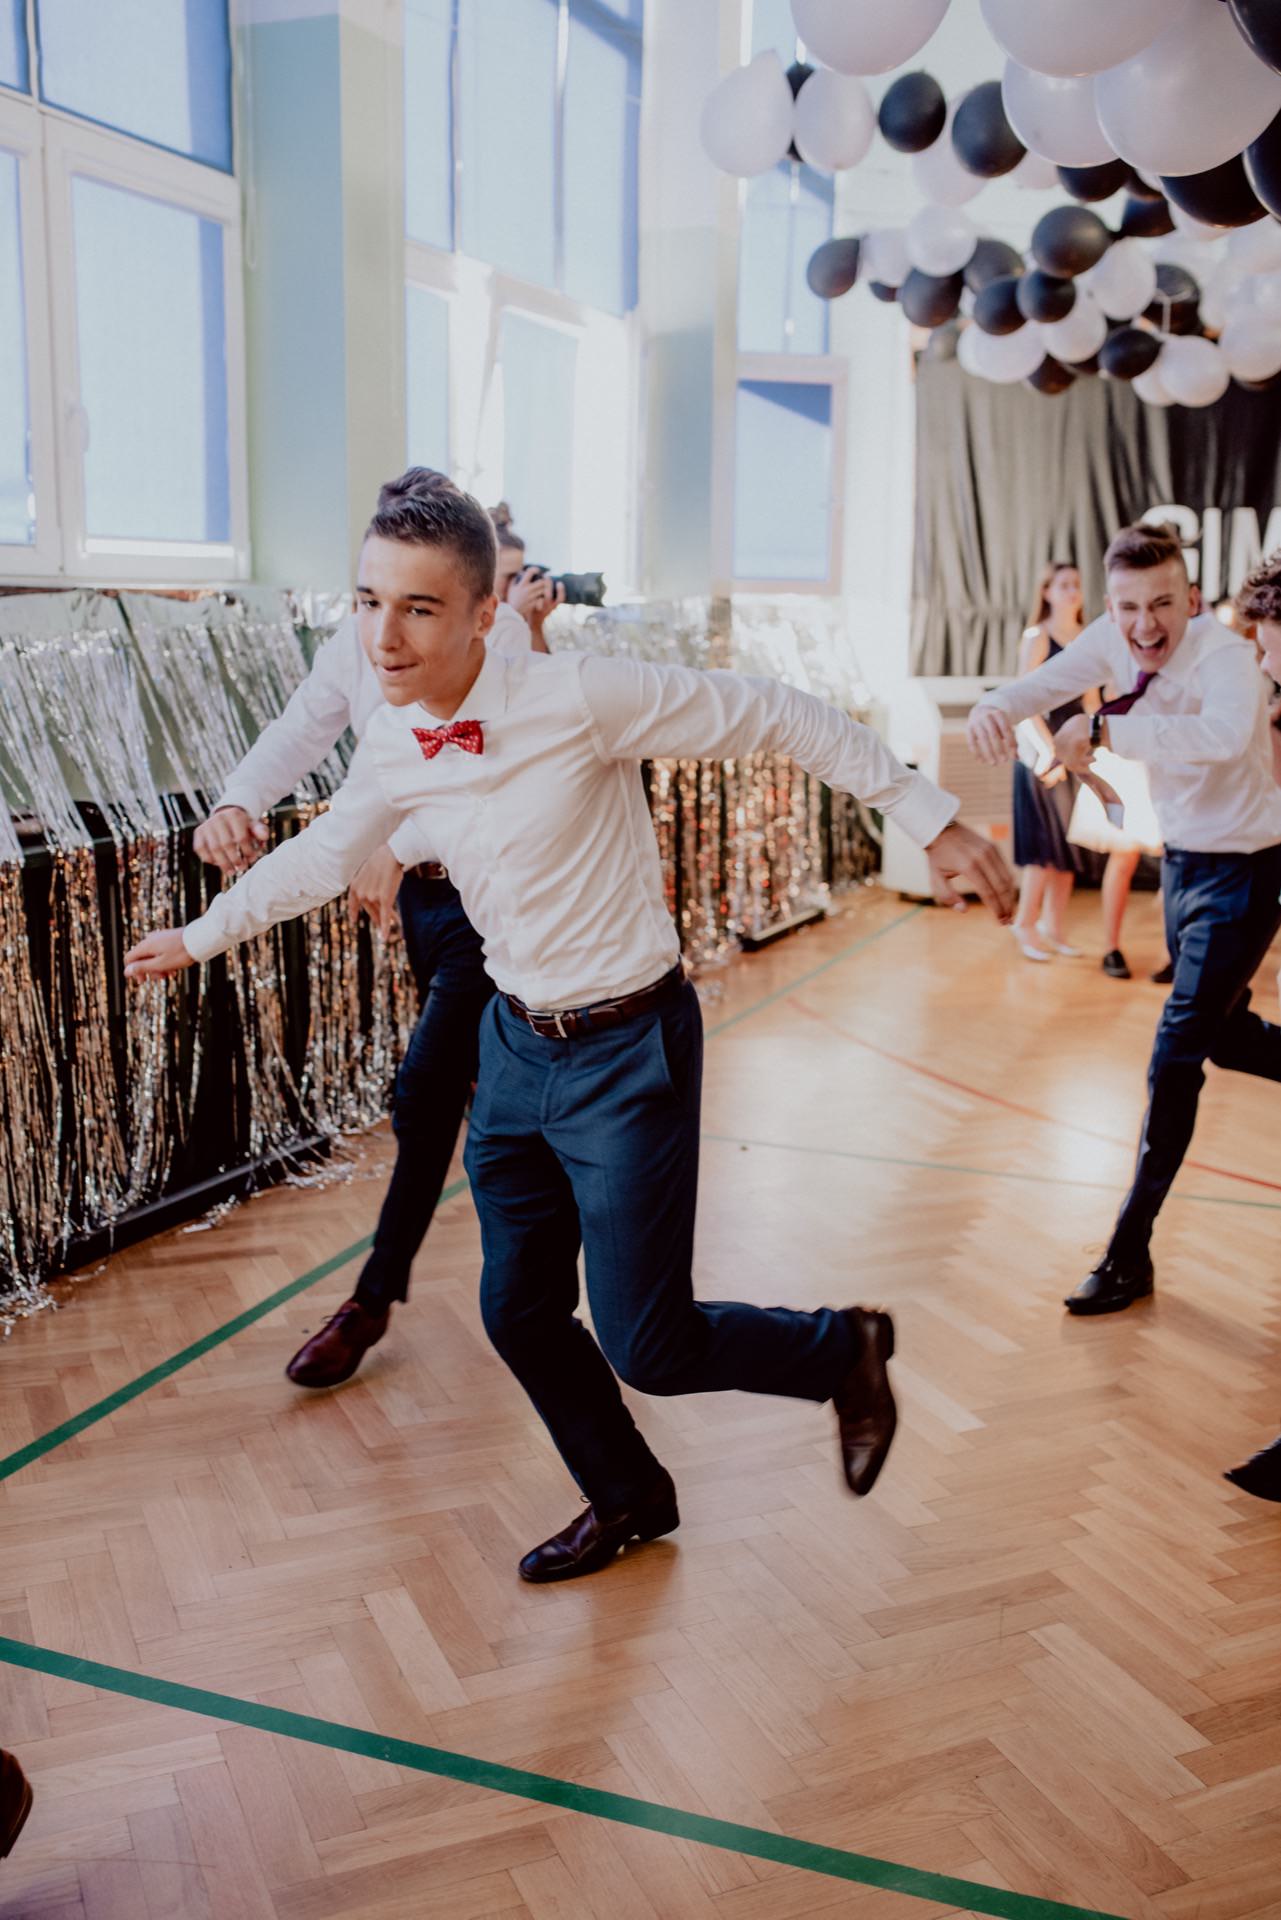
(1043, 801)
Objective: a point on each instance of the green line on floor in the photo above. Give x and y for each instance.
(807, 1855)
(803, 980)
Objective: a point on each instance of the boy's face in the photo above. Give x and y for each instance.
(1268, 634)
(420, 621)
(1152, 606)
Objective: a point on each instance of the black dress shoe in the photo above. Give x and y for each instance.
(1114, 965)
(1111, 1287)
(1261, 1474)
(1164, 976)
(15, 1802)
(865, 1410)
(590, 1542)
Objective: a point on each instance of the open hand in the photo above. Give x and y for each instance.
(230, 839)
(962, 857)
(991, 736)
(159, 954)
(374, 890)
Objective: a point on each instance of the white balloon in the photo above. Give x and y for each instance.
(1193, 229)
(1080, 335)
(1006, 357)
(886, 256)
(1034, 173)
(1192, 100)
(1151, 388)
(941, 240)
(1251, 346)
(1124, 280)
(1261, 293)
(834, 121)
(747, 118)
(1055, 118)
(1194, 372)
(939, 175)
(866, 36)
(1222, 296)
(967, 349)
(1257, 248)
(1066, 37)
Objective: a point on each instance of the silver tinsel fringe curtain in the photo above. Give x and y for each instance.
(120, 719)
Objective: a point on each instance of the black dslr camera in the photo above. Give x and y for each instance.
(578, 589)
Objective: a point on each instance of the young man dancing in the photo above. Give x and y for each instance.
(524, 776)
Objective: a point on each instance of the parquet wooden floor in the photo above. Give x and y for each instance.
(1044, 1656)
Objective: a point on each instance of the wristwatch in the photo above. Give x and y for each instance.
(1097, 724)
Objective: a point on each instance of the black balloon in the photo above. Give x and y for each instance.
(1127, 352)
(833, 268)
(882, 292)
(1091, 365)
(1042, 297)
(1177, 307)
(1263, 167)
(983, 138)
(1147, 219)
(1069, 240)
(1222, 197)
(931, 300)
(997, 308)
(1096, 183)
(1143, 189)
(989, 261)
(1051, 376)
(913, 113)
(1260, 22)
(797, 74)
(1260, 386)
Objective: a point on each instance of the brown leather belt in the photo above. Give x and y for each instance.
(429, 870)
(603, 1013)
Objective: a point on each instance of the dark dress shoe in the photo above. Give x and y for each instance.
(332, 1355)
(865, 1409)
(1164, 976)
(15, 1802)
(1261, 1474)
(1111, 1287)
(1114, 965)
(590, 1542)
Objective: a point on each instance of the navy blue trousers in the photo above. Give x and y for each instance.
(1221, 916)
(592, 1144)
(434, 1080)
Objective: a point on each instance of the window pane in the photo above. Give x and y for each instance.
(16, 506)
(160, 69)
(632, 11)
(602, 122)
(773, 26)
(538, 435)
(429, 152)
(783, 481)
(153, 378)
(786, 215)
(14, 66)
(426, 380)
(507, 113)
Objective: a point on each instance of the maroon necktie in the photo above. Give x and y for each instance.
(459, 733)
(1125, 701)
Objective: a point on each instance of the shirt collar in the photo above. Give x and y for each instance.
(486, 700)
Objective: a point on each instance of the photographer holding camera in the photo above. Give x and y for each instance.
(532, 591)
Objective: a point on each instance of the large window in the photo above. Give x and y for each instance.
(787, 213)
(120, 293)
(15, 68)
(538, 427)
(788, 453)
(426, 379)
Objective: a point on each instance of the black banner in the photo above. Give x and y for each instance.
(1008, 479)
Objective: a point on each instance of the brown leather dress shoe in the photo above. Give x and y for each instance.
(865, 1409)
(15, 1802)
(591, 1542)
(332, 1355)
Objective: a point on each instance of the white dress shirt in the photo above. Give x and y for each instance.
(1200, 728)
(341, 691)
(547, 834)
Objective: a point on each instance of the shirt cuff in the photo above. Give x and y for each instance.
(1126, 735)
(924, 811)
(204, 938)
(241, 797)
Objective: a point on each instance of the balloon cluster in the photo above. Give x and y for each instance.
(1174, 103)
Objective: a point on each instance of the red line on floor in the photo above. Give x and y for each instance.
(1012, 1106)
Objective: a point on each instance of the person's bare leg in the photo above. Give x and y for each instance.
(1031, 894)
(1058, 891)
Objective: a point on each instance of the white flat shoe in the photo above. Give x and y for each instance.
(1027, 945)
(1057, 946)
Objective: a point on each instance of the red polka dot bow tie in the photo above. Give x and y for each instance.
(459, 733)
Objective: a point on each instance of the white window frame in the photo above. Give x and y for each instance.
(21, 134)
(53, 146)
(802, 370)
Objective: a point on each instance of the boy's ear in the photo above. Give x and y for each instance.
(486, 613)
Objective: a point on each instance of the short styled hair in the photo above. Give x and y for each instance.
(1142, 547)
(1259, 597)
(423, 508)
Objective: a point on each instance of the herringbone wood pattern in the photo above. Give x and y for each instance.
(1043, 1655)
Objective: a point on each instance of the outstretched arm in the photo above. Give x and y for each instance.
(1085, 664)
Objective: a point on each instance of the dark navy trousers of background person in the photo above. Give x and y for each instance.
(434, 1080)
(1221, 916)
(592, 1142)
